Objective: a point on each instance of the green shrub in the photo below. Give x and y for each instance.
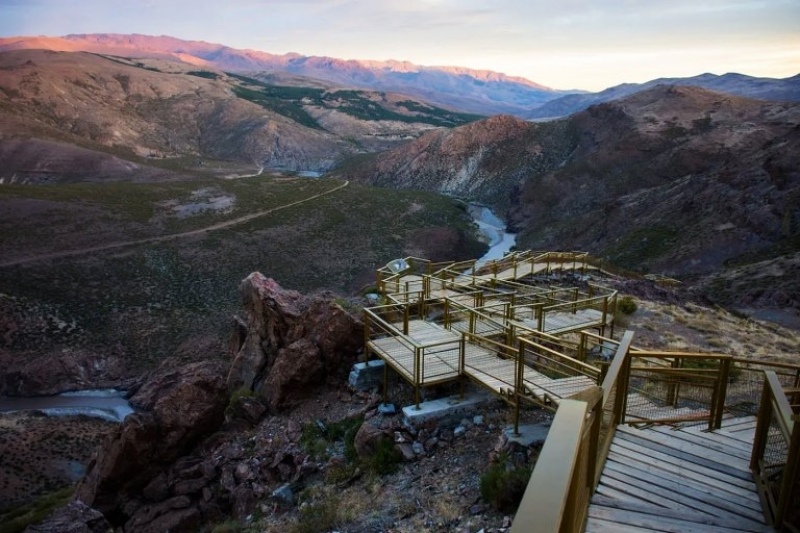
(503, 484)
(316, 440)
(385, 460)
(318, 517)
(627, 305)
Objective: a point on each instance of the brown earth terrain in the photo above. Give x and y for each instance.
(123, 115)
(39, 454)
(123, 236)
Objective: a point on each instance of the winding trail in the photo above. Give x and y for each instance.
(163, 238)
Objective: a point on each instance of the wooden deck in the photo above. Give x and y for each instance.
(436, 365)
(439, 362)
(562, 322)
(678, 480)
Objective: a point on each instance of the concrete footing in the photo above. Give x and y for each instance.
(366, 376)
(529, 434)
(445, 408)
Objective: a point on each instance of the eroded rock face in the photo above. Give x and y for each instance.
(291, 342)
(123, 481)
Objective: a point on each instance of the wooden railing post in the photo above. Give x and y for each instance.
(721, 391)
(417, 377)
(540, 316)
(672, 388)
(790, 487)
(582, 347)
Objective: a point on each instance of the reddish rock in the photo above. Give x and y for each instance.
(183, 406)
(292, 342)
(368, 438)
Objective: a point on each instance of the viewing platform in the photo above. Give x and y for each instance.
(642, 440)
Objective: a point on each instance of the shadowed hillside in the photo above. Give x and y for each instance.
(677, 180)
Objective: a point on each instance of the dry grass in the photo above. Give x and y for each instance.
(698, 328)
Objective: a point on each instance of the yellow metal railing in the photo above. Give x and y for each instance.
(775, 460)
(557, 496)
(674, 387)
(568, 469)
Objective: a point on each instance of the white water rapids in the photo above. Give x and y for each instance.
(108, 404)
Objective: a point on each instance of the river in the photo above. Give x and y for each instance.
(108, 404)
(500, 242)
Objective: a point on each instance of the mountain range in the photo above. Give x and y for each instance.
(675, 179)
(473, 91)
(786, 89)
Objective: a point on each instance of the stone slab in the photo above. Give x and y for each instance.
(366, 376)
(529, 434)
(445, 408)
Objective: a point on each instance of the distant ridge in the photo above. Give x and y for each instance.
(476, 91)
(776, 89)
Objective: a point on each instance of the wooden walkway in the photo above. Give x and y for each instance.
(440, 360)
(678, 480)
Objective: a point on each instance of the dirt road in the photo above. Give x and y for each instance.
(163, 238)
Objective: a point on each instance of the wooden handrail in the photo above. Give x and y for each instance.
(779, 487)
(546, 497)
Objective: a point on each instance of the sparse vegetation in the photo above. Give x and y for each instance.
(207, 74)
(18, 519)
(503, 484)
(627, 305)
(363, 105)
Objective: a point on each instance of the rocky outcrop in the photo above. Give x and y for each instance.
(76, 517)
(290, 342)
(123, 480)
(485, 161)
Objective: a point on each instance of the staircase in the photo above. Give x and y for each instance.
(678, 480)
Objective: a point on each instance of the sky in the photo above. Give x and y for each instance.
(563, 44)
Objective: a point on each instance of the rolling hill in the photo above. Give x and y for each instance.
(90, 109)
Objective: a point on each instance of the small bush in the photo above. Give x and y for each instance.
(17, 520)
(502, 485)
(627, 305)
(318, 516)
(385, 460)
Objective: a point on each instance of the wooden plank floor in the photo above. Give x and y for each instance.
(563, 322)
(438, 364)
(677, 480)
(441, 363)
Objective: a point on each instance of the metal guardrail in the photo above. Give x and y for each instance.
(569, 465)
(775, 461)
(674, 387)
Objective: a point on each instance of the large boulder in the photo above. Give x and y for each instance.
(290, 343)
(179, 408)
